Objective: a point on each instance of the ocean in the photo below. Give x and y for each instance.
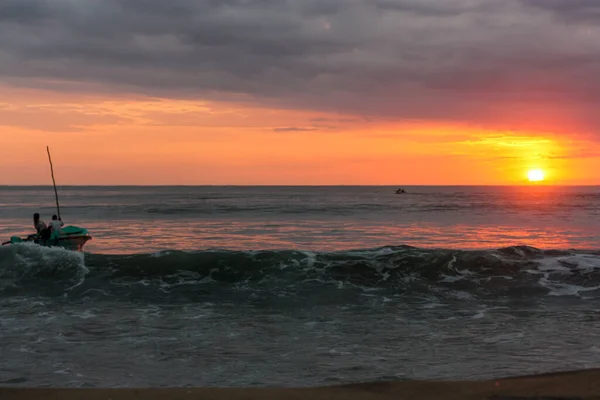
(299, 286)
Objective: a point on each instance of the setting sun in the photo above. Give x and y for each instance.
(535, 175)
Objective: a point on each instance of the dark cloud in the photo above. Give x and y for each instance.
(431, 8)
(461, 60)
(573, 10)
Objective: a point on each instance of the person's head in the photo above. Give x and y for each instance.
(54, 217)
(36, 217)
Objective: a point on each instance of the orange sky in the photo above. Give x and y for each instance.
(98, 140)
(301, 92)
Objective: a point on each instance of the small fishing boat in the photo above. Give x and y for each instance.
(70, 237)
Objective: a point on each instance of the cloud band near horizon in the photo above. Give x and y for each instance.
(514, 64)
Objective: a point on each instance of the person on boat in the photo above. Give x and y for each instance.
(55, 227)
(38, 224)
(42, 232)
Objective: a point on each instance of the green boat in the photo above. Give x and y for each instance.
(70, 238)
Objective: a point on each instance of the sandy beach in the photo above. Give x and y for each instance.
(567, 386)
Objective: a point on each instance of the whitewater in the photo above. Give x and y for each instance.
(300, 286)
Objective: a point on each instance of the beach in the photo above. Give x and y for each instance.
(576, 385)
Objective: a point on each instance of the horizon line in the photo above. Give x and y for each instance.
(527, 184)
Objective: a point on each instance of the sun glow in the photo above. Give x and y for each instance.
(535, 175)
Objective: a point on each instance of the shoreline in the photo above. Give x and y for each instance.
(572, 385)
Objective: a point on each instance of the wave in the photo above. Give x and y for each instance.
(203, 208)
(402, 270)
(24, 265)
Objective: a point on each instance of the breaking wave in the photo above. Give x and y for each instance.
(511, 271)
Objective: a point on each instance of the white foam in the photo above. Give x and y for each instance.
(160, 254)
(504, 338)
(87, 314)
(430, 306)
(451, 279)
(566, 265)
(199, 316)
(564, 289)
(570, 263)
(452, 262)
(26, 349)
(26, 260)
(461, 295)
(311, 258)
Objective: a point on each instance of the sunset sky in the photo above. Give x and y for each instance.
(304, 92)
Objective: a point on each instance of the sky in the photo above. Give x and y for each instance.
(299, 92)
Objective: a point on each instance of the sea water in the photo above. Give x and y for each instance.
(299, 286)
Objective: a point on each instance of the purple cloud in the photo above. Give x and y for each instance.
(480, 61)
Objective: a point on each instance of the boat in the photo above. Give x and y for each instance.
(70, 238)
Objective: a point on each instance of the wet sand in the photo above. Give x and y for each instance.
(574, 385)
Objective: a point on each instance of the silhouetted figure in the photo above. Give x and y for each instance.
(55, 226)
(42, 232)
(38, 224)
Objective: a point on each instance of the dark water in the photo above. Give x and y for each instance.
(300, 286)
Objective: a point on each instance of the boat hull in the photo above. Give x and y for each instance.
(71, 238)
(71, 243)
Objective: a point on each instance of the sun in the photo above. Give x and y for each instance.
(535, 175)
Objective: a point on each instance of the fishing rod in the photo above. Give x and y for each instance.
(53, 182)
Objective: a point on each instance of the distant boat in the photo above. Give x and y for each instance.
(400, 191)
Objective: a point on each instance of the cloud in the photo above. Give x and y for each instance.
(312, 128)
(573, 10)
(457, 60)
(49, 119)
(294, 129)
(431, 7)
